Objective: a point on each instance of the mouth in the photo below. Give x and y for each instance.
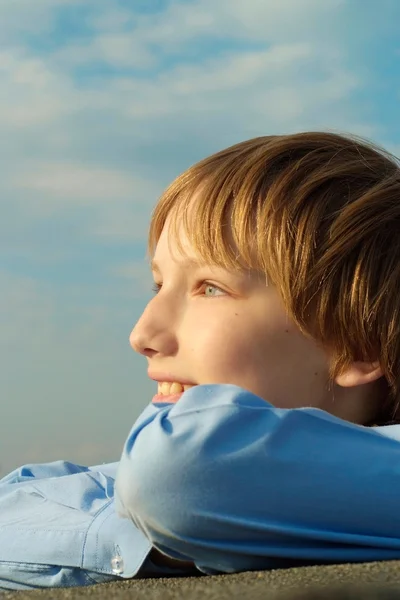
(167, 388)
(170, 391)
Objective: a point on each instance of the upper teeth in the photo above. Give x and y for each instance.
(166, 388)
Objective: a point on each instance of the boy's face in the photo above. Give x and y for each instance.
(208, 325)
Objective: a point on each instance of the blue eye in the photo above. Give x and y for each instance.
(213, 287)
(207, 286)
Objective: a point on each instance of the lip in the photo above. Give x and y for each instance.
(160, 377)
(170, 399)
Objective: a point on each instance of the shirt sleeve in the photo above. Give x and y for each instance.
(224, 479)
(59, 528)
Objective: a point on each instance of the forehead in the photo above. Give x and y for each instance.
(195, 229)
(189, 260)
(167, 248)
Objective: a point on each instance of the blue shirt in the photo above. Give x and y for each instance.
(222, 479)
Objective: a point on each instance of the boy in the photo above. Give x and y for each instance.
(274, 337)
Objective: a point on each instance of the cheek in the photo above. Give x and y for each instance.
(217, 332)
(226, 344)
(264, 354)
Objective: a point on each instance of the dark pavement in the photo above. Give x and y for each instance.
(368, 581)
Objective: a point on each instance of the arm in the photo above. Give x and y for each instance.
(225, 480)
(59, 528)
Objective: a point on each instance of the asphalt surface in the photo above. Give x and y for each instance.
(367, 581)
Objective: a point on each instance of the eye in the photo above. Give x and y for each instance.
(212, 288)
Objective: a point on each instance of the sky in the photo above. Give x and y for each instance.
(102, 104)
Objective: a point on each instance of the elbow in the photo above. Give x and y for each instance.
(155, 488)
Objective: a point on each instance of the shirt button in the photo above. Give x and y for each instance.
(117, 565)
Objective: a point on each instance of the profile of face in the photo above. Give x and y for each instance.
(210, 325)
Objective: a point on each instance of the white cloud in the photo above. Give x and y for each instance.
(120, 203)
(110, 18)
(265, 21)
(239, 70)
(30, 91)
(91, 136)
(23, 17)
(76, 182)
(276, 90)
(119, 50)
(82, 144)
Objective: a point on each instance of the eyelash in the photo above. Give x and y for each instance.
(157, 286)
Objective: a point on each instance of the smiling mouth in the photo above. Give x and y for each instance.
(166, 388)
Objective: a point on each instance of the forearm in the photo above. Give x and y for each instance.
(231, 483)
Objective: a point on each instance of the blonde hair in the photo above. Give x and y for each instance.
(319, 215)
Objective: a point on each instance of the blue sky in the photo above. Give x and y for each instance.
(102, 104)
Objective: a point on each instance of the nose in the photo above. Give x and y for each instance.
(154, 332)
(138, 344)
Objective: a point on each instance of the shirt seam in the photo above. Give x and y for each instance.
(102, 509)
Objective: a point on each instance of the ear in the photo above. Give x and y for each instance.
(359, 373)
